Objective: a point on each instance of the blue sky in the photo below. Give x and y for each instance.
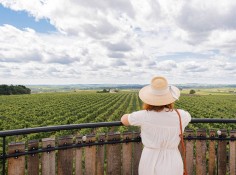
(120, 41)
(22, 20)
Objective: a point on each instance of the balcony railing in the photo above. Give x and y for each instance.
(87, 154)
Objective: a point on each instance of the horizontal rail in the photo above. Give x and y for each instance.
(58, 128)
(94, 125)
(212, 120)
(86, 144)
(78, 145)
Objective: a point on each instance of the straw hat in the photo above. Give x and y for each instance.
(159, 93)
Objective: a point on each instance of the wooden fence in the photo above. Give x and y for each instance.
(203, 156)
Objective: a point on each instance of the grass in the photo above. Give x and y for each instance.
(213, 91)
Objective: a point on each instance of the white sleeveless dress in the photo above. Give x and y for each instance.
(160, 137)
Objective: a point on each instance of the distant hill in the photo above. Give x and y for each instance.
(71, 87)
(205, 86)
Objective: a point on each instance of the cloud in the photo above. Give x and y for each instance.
(200, 18)
(19, 56)
(98, 31)
(194, 67)
(138, 65)
(120, 46)
(167, 65)
(118, 63)
(61, 59)
(26, 46)
(122, 39)
(205, 16)
(150, 63)
(116, 55)
(5, 73)
(109, 6)
(230, 67)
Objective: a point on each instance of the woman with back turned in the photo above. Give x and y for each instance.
(160, 129)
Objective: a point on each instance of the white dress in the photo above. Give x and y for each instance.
(160, 137)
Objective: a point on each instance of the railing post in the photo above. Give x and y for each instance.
(16, 165)
(78, 157)
(127, 154)
(65, 156)
(222, 157)
(189, 150)
(3, 155)
(33, 159)
(212, 154)
(113, 154)
(48, 158)
(90, 156)
(100, 154)
(201, 153)
(137, 153)
(232, 155)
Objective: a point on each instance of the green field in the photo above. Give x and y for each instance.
(23, 111)
(212, 91)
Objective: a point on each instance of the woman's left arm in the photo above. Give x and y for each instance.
(124, 120)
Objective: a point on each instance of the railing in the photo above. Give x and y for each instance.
(88, 154)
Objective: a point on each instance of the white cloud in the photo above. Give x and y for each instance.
(121, 46)
(167, 65)
(193, 66)
(200, 18)
(204, 16)
(126, 40)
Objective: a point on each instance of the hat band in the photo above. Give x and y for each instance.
(159, 92)
(165, 91)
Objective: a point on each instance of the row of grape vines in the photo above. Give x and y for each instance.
(24, 111)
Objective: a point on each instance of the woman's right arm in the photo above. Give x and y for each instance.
(135, 118)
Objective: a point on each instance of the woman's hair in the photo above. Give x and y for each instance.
(158, 108)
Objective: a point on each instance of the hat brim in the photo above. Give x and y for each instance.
(146, 95)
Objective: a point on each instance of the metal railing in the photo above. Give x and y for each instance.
(7, 133)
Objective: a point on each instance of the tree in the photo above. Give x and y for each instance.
(104, 91)
(192, 91)
(9, 90)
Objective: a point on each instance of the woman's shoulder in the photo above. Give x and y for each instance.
(137, 118)
(140, 112)
(183, 111)
(185, 115)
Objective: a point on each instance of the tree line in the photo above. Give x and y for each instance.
(13, 90)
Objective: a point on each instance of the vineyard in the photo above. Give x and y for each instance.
(24, 111)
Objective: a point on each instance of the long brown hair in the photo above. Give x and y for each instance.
(158, 108)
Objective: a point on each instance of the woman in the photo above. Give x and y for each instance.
(160, 128)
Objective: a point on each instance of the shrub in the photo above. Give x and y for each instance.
(192, 91)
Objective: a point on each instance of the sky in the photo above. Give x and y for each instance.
(117, 42)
